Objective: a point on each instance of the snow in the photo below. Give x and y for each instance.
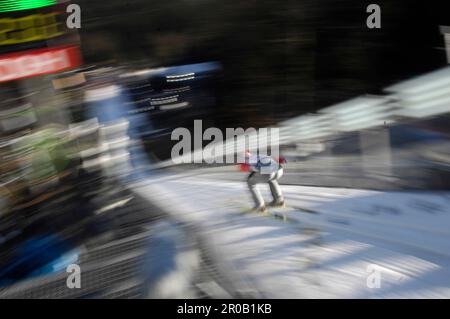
(335, 240)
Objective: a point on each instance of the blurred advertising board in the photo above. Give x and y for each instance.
(19, 5)
(38, 62)
(29, 25)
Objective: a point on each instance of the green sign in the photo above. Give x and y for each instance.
(17, 5)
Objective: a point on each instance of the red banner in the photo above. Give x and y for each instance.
(38, 62)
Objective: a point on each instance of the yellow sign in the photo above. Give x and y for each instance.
(36, 27)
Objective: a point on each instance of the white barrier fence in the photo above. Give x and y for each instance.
(419, 98)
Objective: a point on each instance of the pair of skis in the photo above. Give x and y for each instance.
(278, 213)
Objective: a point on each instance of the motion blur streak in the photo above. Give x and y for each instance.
(360, 118)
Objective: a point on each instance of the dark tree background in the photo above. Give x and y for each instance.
(281, 57)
